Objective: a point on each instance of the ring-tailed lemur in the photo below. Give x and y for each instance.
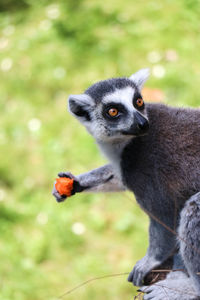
(154, 151)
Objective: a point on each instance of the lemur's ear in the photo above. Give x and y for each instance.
(140, 77)
(80, 105)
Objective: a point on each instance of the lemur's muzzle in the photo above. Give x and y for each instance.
(139, 127)
(142, 123)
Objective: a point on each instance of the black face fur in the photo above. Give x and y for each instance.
(98, 90)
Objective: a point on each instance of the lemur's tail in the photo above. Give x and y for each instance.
(189, 238)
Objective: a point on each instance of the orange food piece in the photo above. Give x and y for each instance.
(64, 186)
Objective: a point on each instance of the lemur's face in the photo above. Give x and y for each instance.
(113, 109)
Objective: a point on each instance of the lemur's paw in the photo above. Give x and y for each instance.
(176, 289)
(141, 269)
(77, 188)
(136, 276)
(67, 175)
(55, 193)
(157, 292)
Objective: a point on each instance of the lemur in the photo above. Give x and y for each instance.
(153, 151)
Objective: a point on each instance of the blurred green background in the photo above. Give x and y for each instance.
(48, 50)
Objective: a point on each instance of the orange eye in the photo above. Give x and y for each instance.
(139, 102)
(113, 112)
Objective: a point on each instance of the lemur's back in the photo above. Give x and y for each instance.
(165, 163)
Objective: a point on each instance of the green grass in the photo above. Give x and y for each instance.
(49, 50)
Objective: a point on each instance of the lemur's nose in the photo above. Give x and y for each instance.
(142, 123)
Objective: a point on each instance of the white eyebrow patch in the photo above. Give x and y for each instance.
(123, 96)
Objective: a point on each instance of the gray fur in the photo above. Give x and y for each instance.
(189, 233)
(161, 166)
(140, 77)
(103, 179)
(168, 166)
(177, 286)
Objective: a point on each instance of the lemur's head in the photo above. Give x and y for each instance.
(113, 109)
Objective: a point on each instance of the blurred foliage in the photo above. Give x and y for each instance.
(10, 5)
(49, 50)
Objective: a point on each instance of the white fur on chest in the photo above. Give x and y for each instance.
(113, 151)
